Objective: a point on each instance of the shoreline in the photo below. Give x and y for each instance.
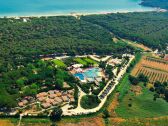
(76, 14)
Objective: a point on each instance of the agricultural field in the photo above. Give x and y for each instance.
(154, 68)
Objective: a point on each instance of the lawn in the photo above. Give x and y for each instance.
(85, 61)
(59, 63)
(90, 61)
(142, 105)
(81, 61)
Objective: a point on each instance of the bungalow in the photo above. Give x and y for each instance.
(72, 100)
(59, 94)
(55, 103)
(41, 99)
(58, 99)
(65, 98)
(52, 96)
(166, 57)
(51, 92)
(20, 104)
(71, 91)
(42, 94)
(25, 102)
(46, 105)
(49, 100)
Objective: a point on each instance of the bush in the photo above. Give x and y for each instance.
(90, 101)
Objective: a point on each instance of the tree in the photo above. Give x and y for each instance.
(56, 114)
(59, 84)
(102, 65)
(106, 113)
(166, 95)
(155, 96)
(133, 80)
(143, 78)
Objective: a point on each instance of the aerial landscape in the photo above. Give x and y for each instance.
(84, 63)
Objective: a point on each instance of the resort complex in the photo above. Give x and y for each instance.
(89, 76)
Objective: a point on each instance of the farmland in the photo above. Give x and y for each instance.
(154, 68)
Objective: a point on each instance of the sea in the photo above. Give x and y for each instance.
(61, 7)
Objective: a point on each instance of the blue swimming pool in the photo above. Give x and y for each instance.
(80, 76)
(90, 73)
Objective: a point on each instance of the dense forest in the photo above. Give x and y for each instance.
(23, 41)
(148, 28)
(155, 3)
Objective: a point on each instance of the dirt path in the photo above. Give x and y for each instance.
(4, 122)
(113, 105)
(95, 121)
(145, 48)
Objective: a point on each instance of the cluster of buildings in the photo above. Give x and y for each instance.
(25, 101)
(55, 97)
(114, 62)
(49, 99)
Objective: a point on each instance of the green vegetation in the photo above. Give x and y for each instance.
(59, 63)
(79, 60)
(30, 79)
(56, 115)
(148, 28)
(22, 42)
(141, 105)
(86, 61)
(89, 101)
(123, 87)
(155, 3)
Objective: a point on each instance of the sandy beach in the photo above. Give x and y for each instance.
(76, 14)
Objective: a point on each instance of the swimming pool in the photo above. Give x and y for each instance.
(90, 73)
(80, 76)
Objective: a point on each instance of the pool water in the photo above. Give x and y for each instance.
(90, 73)
(80, 76)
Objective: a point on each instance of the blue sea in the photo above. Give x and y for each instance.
(54, 7)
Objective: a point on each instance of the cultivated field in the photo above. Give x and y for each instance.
(156, 69)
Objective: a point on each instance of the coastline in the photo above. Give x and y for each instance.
(76, 14)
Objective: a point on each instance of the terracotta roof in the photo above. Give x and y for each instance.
(46, 105)
(49, 100)
(41, 99)
(51, 92)
(65, 98)
(42, 94)
(72, 99)
(52, 96)
(58, 99)
(21, 104)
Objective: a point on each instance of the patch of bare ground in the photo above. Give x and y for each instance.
(115, 121)
(136, 89)
(113, 105)
(145, 48)
(5, 123)
(96, 121)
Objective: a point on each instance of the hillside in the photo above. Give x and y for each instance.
(148, 28)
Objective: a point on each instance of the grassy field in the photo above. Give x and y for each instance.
(59, 63)
(85, 61)
(143, 105)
